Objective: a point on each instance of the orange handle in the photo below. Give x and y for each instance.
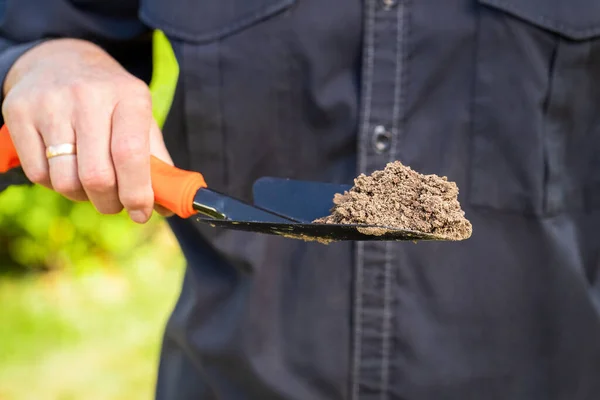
(174, 188)
(8, 154)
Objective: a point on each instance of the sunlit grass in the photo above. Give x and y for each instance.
(92, 336)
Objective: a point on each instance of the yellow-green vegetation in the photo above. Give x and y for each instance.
(84, 297)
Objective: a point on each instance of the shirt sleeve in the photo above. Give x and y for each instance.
(112, 24)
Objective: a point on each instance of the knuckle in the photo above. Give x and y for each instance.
(128, 148)
(77, 196)
(80, 89)
(51, 100)
(38, 175)
(138, 94)
(68, 187)
(109, 209)
(85, 92)
(136, 201)
(97, 179)
(138, 87)
(15, 106)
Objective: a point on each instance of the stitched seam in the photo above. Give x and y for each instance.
(247, 20)
(358, 304)
(368, 64)
(220, 117)
(473, 108)
(399, 80)
(550, 22)
(388, 271)
(549, 172)
(386, 324)
(388, 274)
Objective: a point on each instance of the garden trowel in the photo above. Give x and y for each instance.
(283, 207)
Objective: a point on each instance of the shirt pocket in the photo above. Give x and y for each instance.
(207, 20)
(213, 41)
(536, 119)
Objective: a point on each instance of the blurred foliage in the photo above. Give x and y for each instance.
(92, 336)
(41, 230)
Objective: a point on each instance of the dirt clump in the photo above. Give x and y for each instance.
(399, 197)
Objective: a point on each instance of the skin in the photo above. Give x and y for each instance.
(72, 91)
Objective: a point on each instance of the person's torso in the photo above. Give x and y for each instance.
(502, 97)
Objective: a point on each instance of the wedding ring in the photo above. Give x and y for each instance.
(64, 149)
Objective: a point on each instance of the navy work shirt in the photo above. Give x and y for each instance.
(501, 96)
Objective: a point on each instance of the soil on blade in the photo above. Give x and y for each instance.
(399, 197)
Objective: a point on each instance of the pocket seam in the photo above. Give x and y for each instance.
(545, 21)
(240, 23)
(509, 205)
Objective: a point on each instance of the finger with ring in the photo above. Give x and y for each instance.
(63, 149)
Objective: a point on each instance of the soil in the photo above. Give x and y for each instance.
(306, 238)
(399, 197)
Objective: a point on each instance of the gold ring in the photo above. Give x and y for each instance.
(65, 149)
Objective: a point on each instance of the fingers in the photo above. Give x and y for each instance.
(159, 150)
(157, 144)
(107, 115)
(63, 168)
(95, 170)
(130, 149)
(27, 142)
(55, 129)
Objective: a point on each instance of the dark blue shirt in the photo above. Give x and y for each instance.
(501, 96)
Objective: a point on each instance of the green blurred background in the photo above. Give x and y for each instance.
(84, 297)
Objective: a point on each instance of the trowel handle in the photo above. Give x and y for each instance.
(8, 154)
(174, 188)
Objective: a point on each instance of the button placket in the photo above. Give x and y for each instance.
(374, 367)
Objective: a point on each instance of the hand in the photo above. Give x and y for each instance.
(71, 91)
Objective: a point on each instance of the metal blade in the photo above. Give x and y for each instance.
(286, 207)
(222, 207)
(304, 201)
(322, 232)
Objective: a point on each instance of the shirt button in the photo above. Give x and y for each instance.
(388, 4)
(382, 139)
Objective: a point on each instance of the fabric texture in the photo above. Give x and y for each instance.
(500, 96)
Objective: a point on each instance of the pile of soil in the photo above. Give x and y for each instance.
(399, 197)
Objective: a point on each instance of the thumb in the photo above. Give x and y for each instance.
(157, 144)
(159, 150)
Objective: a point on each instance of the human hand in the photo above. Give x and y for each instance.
(69, 91)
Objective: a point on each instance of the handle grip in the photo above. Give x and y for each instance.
(8, 154)
(174, 188)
